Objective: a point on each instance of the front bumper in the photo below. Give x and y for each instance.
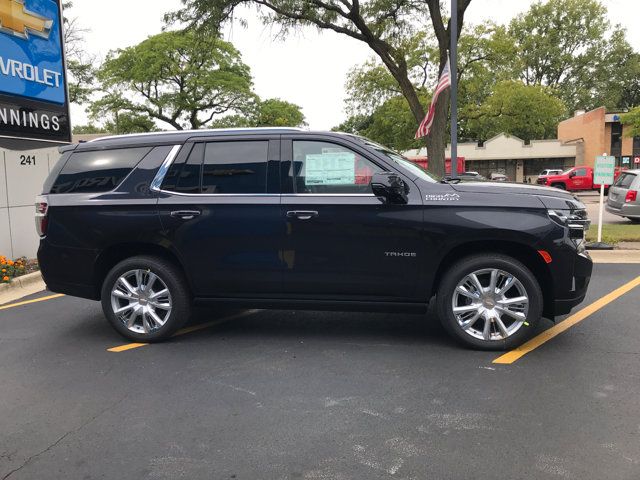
(582, 269)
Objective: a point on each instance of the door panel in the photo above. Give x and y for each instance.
(341, 240)
(229, 233)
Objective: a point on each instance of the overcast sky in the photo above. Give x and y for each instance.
(308, 69)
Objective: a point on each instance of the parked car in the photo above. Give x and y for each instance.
(499, 177)
(151, 224)
(550, 171)
(575, 179)
(623, 197)
(470, 176)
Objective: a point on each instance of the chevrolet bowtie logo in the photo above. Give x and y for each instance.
(16, 20)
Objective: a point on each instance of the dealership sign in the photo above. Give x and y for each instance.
(33, 91)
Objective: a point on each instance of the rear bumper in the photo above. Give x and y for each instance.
(68, 270)
(625, 210)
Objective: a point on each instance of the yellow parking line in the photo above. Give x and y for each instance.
(569, 322)
(27, 302)
(184, 331)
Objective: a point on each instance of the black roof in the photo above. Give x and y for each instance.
(180, 136)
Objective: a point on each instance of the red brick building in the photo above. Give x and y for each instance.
(597, 132)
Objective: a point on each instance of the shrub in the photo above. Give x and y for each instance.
(9, 269)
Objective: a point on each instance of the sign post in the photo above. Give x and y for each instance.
(603, 174)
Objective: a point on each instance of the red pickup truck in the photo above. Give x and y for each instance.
(574, 179)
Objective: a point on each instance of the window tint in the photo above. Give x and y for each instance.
(322, 167)
(235, 167)
(625, 180)
(94, 172)
(581, 172)
(184, 176)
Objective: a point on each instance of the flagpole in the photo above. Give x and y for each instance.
(454, 88)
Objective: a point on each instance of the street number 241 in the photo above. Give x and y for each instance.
(27, 159)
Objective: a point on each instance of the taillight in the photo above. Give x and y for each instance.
(42, 208)
(632, 195)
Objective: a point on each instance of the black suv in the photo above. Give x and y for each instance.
(289, 219)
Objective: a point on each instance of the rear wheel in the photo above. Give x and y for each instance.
(561, 186)
(489, 302)
(146, 299)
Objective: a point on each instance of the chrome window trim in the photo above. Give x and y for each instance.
(328, 195)
(182, 194)
(164, 168)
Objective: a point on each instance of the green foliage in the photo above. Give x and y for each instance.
(526, 111)
(278, 113)
(632, 121)
(184, 80)
(563, 44)
(89, 129)
(272, 112)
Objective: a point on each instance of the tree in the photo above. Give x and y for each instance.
(526, 111)
(278, 113)
(272, 112)
(632, 120)
(563, 44)
(384, 25)
(79, 64)
(177, 78)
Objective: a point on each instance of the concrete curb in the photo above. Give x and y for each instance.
(21, 287)
(615, 256)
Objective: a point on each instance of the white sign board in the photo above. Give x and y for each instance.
(330, 169)
(604, 169)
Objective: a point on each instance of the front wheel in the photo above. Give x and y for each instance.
(489, 302)
(146, 299)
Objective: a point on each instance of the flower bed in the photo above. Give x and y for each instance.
(10, 269)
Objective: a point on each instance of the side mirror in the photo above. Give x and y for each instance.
(572, 174)
(390, 186)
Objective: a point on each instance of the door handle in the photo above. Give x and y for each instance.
(302, 214)
(185, 214)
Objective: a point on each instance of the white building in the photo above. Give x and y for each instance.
(22, 174)
(512, 156)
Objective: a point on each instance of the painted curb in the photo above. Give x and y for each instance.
(615, 256)
(21, 287)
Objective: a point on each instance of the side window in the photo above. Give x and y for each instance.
(184, 177)
(100, 171)
(625, 180)
(235, 167)
(323, 167)
(581, 172)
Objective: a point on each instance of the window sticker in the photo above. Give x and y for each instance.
(337, 168)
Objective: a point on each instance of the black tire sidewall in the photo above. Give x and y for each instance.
(473, 263)
(173, 279)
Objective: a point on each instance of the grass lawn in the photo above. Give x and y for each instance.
(615, 233)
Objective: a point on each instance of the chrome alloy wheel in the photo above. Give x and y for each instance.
(490, 304)
(141, 301)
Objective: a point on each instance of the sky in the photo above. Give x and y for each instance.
(307, 68)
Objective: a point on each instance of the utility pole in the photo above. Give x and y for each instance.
(453, 52)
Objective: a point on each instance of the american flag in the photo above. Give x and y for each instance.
(443, 84)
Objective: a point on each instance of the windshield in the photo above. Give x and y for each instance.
(402, 162)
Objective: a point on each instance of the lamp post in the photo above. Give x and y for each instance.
(453, 52)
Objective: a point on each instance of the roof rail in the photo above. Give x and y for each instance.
(177, 132)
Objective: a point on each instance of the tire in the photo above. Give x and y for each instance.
(490, 308)
(634, 219)
(561, 186)
(146, 328)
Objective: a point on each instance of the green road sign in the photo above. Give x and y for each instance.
(604, 170)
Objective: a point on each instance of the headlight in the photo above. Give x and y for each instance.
(576, 221)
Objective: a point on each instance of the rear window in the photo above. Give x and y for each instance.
(95, 172)
(625, 180)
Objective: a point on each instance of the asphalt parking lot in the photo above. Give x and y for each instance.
(312, 395)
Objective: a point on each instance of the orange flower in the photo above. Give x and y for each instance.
(4, 270)
(5, 278)
(10, 262)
